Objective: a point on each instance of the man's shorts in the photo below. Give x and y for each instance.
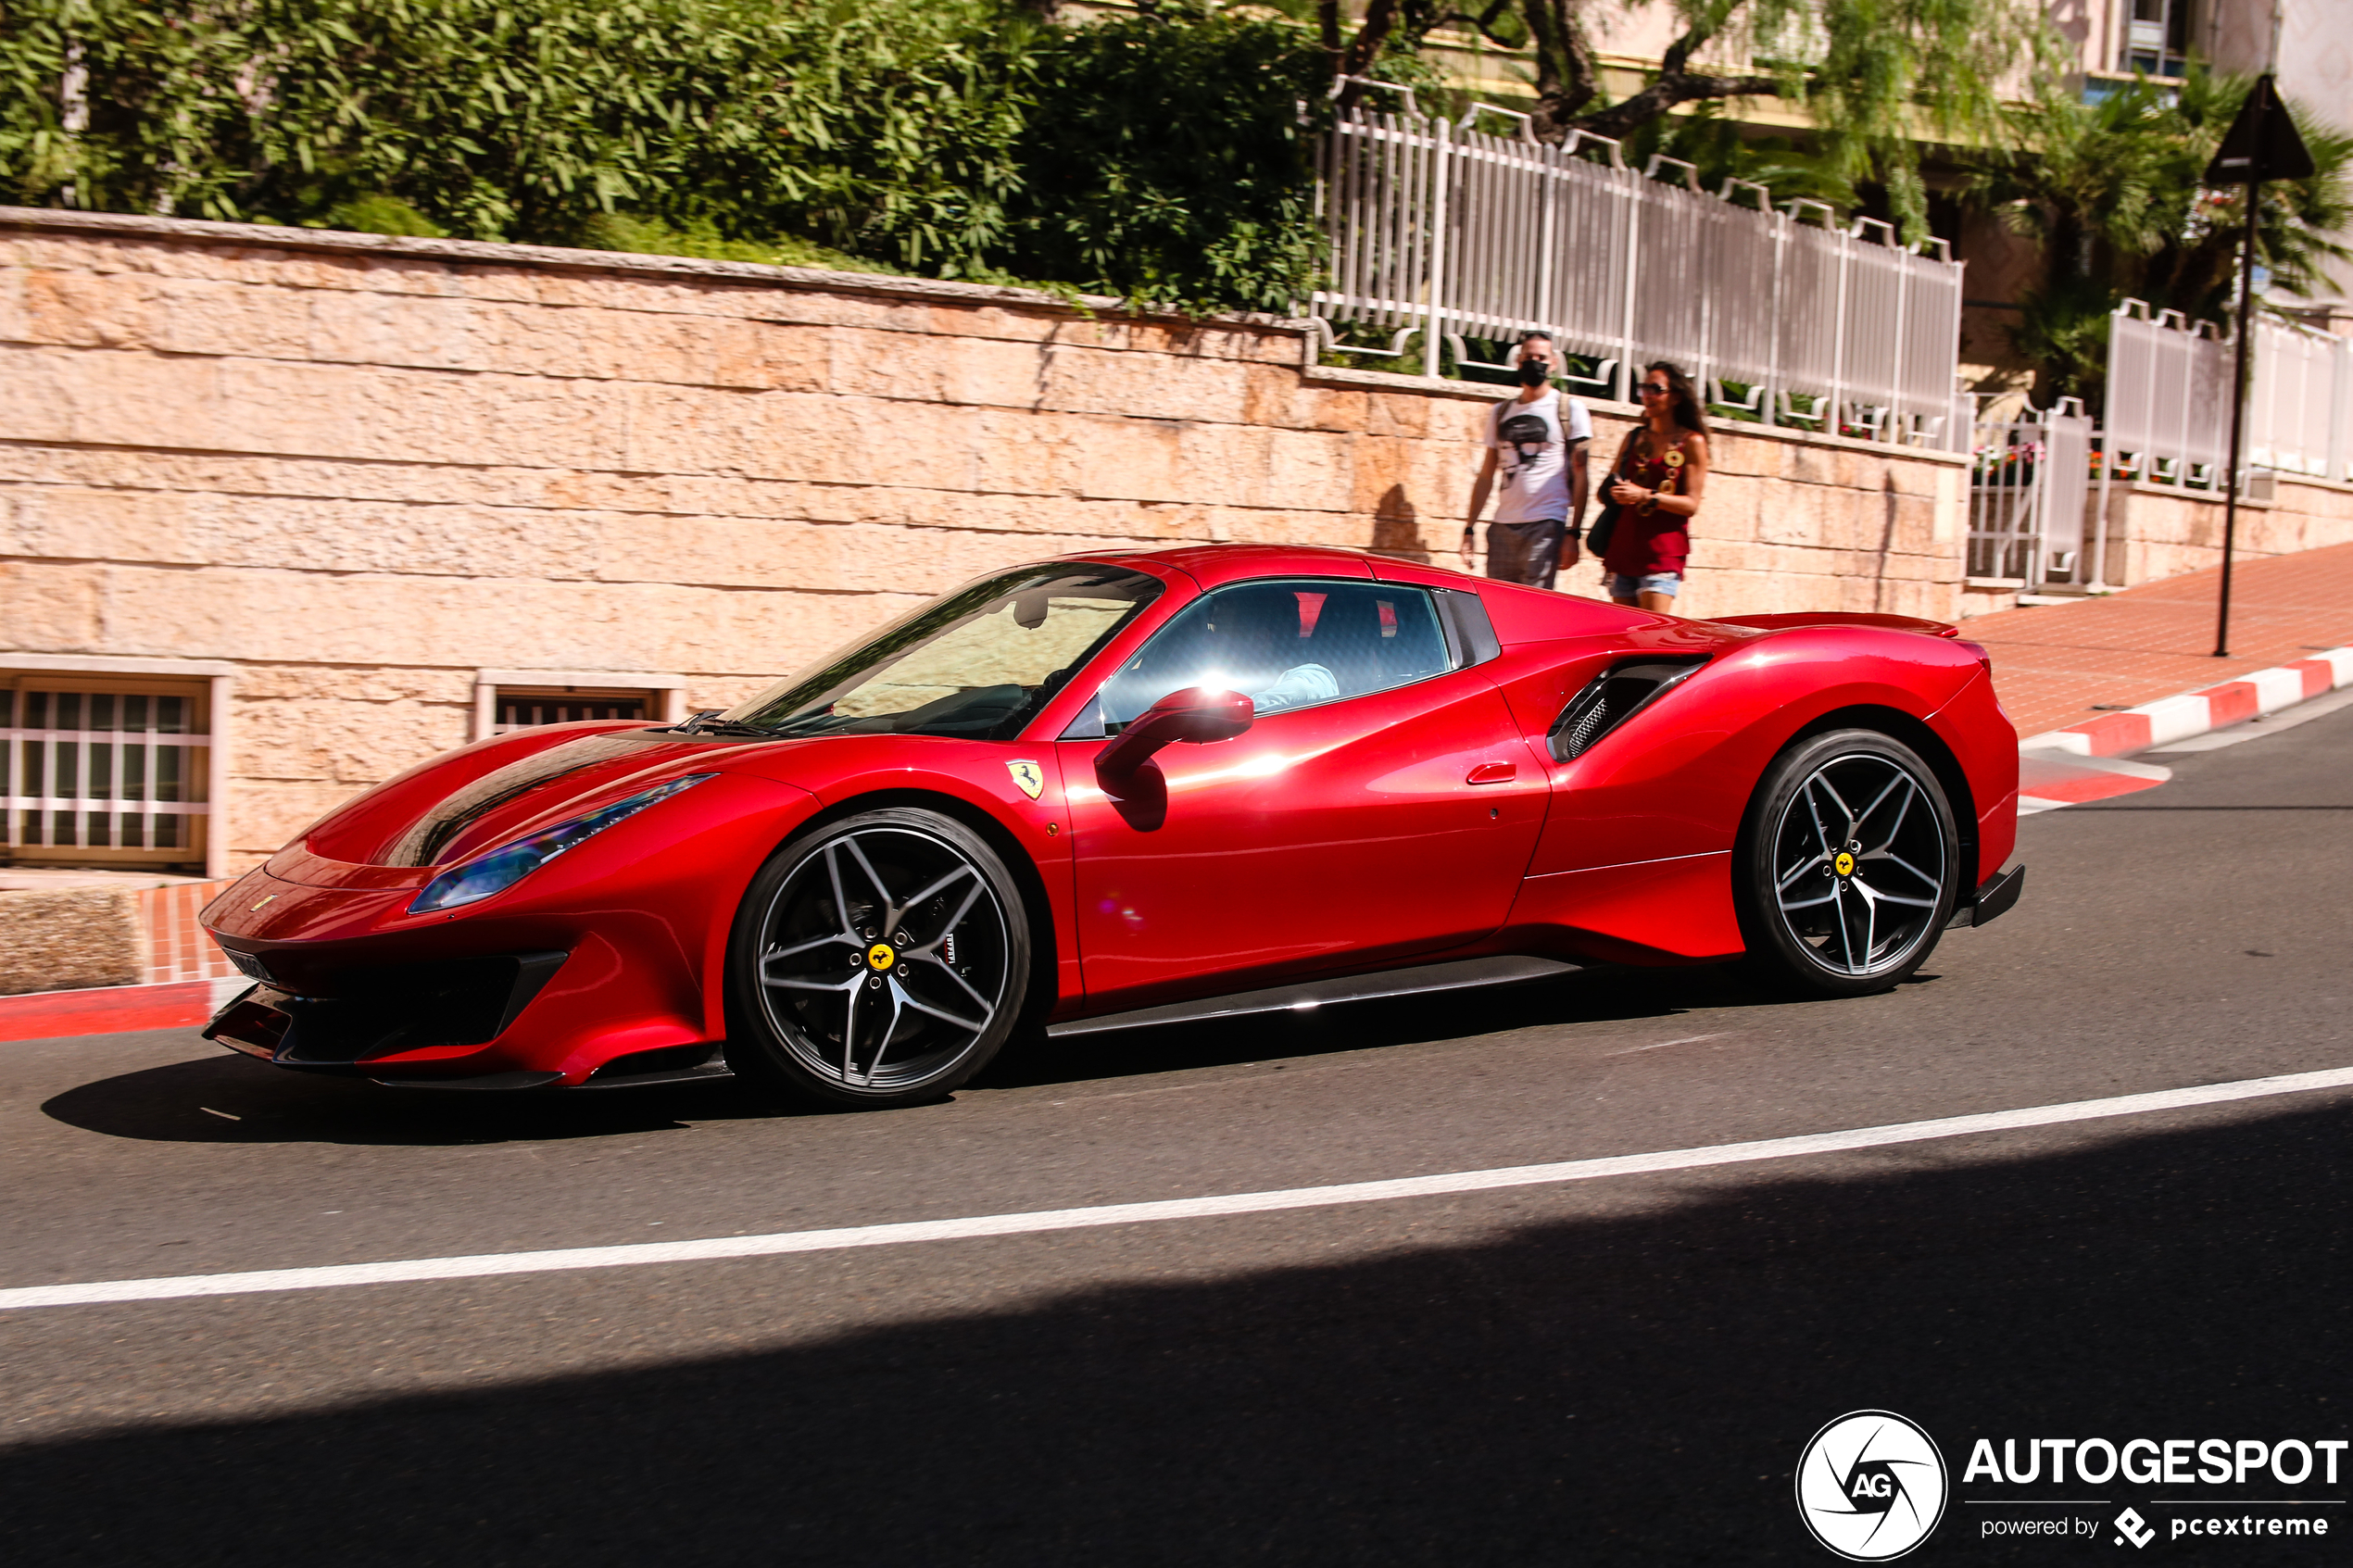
(1525, 552)
(1626, 585)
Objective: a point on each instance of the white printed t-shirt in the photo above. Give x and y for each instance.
(1531, 456)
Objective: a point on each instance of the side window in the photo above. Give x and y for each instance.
(1290, 643)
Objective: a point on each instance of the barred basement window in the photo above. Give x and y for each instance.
(97, 771)
(521, 708)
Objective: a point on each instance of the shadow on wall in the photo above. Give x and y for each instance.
(1624, 1389)
(1397, 528)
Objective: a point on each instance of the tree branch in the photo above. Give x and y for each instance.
(1379, 17)
(1563, 66)
(1681, 87)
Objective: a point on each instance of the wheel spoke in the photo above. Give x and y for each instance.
(1889, 858)
(772, 955)
(1814, 903)
(1803, 866)
(873, 879)
(899, 912)
(1813, 810)
(1902, 813)
(850, 1036)
(1865, 814)
(1846, 934)
(889, 1031)
(908, 998)
(842, 904)
(775, 984)
(1891, 899)
(949, 927)
(965, 985)
(1837, 800)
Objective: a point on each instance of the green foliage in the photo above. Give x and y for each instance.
(1166, 159)
(2113, 192)
(1880, 80)
(951, 138)
(645, 237)
(1717, 151)
(376, 213)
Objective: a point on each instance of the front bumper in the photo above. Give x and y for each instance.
(419, 1012)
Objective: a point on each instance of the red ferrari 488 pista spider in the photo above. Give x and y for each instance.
(1126, 789)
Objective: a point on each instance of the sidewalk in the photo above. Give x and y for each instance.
(2052, 663)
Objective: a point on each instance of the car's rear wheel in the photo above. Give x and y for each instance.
(879, 962)
(1848, 866)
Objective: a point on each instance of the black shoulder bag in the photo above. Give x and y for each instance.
(1597, 537)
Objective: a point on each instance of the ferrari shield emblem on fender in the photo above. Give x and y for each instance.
(1029, 776)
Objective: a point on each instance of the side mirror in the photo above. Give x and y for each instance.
(1196, 714)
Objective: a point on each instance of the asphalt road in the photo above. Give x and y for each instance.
(1613, 1371)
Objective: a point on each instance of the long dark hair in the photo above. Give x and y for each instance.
(1681, 394)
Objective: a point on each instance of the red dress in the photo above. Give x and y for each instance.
(1649, 539)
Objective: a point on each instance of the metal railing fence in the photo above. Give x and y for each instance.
(1442, 230)
(2029, 480)
(2168, 400)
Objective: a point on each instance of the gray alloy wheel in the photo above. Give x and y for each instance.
(1851, 865)
(880, 961)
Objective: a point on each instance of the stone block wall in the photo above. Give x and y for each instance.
(362, 469)
(2158, 531)
(71, 939)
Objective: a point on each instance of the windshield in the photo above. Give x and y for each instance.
(977, 663)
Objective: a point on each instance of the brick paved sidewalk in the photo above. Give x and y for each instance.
(2052, 662)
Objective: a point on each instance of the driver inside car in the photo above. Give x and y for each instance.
(1248, 635)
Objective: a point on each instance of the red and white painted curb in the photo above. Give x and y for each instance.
(2083, 761)
(111, 1009)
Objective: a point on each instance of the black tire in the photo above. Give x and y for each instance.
(827, 1003)
(1848, 866)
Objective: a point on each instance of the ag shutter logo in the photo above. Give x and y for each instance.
(1871, 1486)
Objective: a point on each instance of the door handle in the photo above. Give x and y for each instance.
(1493, 773)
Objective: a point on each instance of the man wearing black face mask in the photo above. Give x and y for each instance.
(1538, 440)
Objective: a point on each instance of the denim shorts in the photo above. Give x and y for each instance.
(1626, 585)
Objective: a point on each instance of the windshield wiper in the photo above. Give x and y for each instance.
(709, 723)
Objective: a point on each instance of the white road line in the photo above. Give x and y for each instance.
(101, 1291)
(1686, 1040)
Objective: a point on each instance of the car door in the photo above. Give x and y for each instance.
(1383, 802)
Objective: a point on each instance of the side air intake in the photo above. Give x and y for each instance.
(1611, 699)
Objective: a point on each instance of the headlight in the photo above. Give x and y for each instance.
(502, 868)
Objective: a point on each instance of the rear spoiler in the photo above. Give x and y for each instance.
(1840, 617)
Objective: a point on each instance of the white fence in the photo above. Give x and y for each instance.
(1445, 231)
(2028, 481)
(2168, 400)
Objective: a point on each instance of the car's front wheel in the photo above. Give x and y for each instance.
(1848, 866)
(879, 962)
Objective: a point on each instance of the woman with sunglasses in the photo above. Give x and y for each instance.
(1657, 482)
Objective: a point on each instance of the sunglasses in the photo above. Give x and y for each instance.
(1654, 389)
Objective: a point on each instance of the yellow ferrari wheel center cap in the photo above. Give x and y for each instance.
(1846, 864)
(879, 957)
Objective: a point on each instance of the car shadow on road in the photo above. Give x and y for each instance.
(230, 1099)
(1629, 1384)
(1604, 995)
